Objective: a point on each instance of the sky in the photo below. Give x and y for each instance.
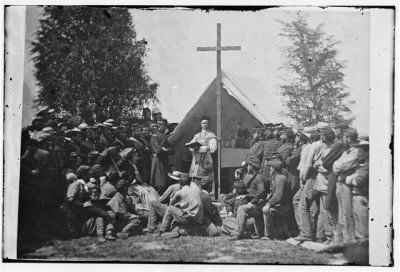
(183, 73)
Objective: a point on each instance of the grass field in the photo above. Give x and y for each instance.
(187, 249)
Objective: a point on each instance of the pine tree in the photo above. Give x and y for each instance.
(89, 59)
(313, 90)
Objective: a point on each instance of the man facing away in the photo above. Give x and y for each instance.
(157, 209)
(186, 208)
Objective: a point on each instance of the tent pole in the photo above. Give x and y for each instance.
(219, 138)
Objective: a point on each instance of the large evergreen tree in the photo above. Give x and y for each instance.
(313, 90)
(89, 58)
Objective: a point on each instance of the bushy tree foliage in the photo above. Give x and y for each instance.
(89, 59)
(313, 90)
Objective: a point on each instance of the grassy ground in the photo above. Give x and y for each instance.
(188, 249)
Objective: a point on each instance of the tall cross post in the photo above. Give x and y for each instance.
(218, 49)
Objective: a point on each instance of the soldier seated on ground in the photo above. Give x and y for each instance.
(126, 221)
(277, 210)
(157, 209)
(72, 207)
(98, 217)
(229, 200)
(186, 209)
(256, 193)
(212, 219)
(232, 202)
(172, 189)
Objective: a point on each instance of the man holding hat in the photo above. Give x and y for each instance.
(257, 190)
(278, 208)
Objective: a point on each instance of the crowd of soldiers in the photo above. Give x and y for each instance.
(112, 179)
(309, 184)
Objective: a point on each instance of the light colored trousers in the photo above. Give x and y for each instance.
(345, 225)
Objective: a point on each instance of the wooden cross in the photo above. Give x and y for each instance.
(218, 49)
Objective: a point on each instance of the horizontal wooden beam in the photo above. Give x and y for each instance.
(223, 48)
(207, 48)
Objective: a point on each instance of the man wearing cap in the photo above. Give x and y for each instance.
(271, 144)
(146, 117)
(157, 209)
(99, 218)
(126, 221)
(285, 149)
(256, 144)
(232, 202)
(72, 207)
(145, 166)
(359, 182)
(157, 115)
(308, 207)
(327, 218)
(292, 163)
(162, 126)
(334, 153)
(278, 208)
(107, 137)
(212, 218)
(343, 167)
(202, 161)
(257, 190)
(159, 160)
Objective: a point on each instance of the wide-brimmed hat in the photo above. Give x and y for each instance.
(175, 175)
(83, 126)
